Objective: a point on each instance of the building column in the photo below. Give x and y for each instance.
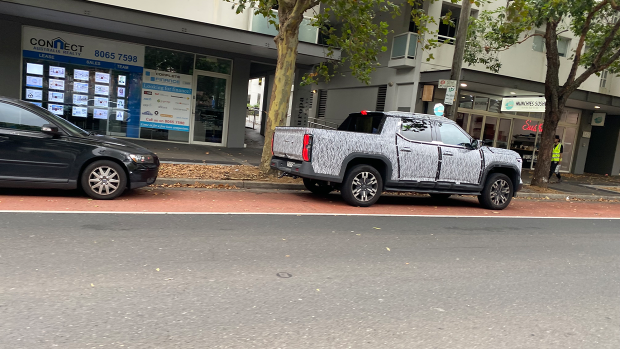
(302, 101)
(10, 58)
(266, 101)
(238, 103)
(582, 144)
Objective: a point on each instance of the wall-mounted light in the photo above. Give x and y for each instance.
(513, 93)
(463, 85)
(314, 91)
(597, 107)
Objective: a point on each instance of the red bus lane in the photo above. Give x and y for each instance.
(292, 202)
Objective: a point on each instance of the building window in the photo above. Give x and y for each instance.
(168, 60)
(538, 45)
(604, 78)
(447, 32)
(213, 64)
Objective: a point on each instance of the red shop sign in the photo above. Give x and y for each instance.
(529, 127)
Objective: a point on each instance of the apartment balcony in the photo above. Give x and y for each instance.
(404, 47)
(307, 32)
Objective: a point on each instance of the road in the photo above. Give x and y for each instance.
(271, 281)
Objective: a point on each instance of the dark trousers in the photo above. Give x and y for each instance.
(554, 165)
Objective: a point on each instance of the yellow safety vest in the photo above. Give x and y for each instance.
(557, 156)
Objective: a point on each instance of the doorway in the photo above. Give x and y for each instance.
(210, 113)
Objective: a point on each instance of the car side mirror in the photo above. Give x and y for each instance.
(50, 130)
(475, 144)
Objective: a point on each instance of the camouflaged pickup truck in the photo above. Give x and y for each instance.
(372, 152)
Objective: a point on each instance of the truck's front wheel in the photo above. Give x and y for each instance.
(362, 186)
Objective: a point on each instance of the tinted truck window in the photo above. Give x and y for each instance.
(363, 123)
(416, 130)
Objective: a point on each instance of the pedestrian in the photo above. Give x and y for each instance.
(556, 158)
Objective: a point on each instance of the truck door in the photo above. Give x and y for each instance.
(418, 157)
(459, 162)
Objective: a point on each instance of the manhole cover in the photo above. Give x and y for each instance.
(284, 275)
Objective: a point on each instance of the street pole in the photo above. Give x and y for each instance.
(459, 51)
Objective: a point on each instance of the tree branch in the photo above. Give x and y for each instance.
(596, 66)
(582, 39)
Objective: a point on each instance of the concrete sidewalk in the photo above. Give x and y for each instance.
(170, 152)
(586, 184)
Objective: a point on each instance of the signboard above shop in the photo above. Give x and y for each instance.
(57, 46)
(524, 104)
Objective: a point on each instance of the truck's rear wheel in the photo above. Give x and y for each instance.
(497, 192)
(318, 187)
(362, 186)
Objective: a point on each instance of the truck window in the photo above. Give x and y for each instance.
(416, 130)
(452, 135)
(363, 123)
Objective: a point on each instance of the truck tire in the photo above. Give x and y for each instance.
(362, 186)
(497, 192)
(317, 187)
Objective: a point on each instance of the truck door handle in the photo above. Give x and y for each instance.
(406, 150)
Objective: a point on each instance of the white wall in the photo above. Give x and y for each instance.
(207, 11)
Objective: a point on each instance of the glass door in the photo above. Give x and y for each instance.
(503, 133)
(211, 108)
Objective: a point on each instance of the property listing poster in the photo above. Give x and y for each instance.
(166, 100)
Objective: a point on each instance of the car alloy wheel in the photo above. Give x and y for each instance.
(500, 192)
(364, 186)
(104, 180)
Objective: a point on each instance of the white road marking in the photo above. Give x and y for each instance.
(300, 214)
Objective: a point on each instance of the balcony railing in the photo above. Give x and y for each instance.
(404, 45)
(307, 32)
(446, 39)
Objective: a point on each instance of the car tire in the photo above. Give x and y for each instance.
(362, 186)
(497, 192)
(440, 197)
(104, 180)
(318, 187)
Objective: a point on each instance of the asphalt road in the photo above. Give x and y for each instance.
(231, 281)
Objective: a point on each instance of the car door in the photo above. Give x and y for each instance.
(28, 154)
(418, 156)
(460, 163)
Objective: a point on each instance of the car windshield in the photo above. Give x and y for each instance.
(65, 124)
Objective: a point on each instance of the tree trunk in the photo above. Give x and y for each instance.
(287, 41)
(554, 107)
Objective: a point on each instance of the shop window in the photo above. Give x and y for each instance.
(524, 139)
(462, 119)
(213, 64)
(488, 134)
(502, 133)
(475, 126)
(495, 105)
(481, 103)
(168, 60)
(416, 130)
(466, 101)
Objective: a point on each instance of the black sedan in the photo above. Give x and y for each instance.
(41, 150)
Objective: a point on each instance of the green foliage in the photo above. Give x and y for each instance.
(593, 20)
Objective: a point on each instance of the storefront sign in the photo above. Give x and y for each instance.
(64, 47)
(531, 126)
(527, 104)
(598, 119)
(166, 100)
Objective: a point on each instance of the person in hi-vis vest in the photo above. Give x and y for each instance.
(556, 158)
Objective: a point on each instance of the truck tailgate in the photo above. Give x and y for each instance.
(288, 142)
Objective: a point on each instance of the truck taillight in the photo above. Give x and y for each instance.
(307, 151)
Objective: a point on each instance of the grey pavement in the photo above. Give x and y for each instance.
(204, 154)
(238, 281)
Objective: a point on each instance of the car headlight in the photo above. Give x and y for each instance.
(142, 159)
